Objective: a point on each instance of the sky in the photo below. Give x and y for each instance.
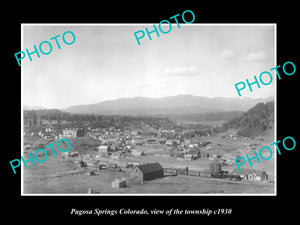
(105, 62)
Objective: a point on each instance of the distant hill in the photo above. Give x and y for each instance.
(205, 117)
(255, 121)
(181, 104)
(27, 107)
(37, 118)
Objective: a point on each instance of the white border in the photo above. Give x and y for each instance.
(146, 24)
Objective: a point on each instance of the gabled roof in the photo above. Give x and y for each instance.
(149, 168)
(249, 171)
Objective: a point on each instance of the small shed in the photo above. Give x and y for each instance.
(73, 154)
(65, 155)
(148, 171)
(102, 149)
(188, 157)
(91, 173)
(119, 183)
(137, 153)
(169, 143)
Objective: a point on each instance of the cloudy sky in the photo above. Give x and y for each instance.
(105, 62)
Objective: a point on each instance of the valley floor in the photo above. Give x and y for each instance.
(55, 176)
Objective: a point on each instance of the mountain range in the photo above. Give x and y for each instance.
(181, 104)
(27, 107)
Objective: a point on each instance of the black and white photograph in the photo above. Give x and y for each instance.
(118, 109)
(144, 112)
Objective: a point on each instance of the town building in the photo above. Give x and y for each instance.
(116, 155)
(203, 155)
(145, 172)
(119, 183)
(137, 153)
(251, 174)
(73, 132)
(103, 149)
(189, 157)
(169, 143)
(138, 141)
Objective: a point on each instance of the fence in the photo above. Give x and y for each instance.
(187, 172)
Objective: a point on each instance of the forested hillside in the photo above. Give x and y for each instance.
(253, 122)
(40, 117)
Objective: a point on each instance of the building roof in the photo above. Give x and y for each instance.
(137, 152)
(169, 142)
(249, 171)
(103, 147)
(149, 168)
(68, 128)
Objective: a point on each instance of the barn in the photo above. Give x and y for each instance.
(148, 171)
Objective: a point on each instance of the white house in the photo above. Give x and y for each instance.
(251, 174)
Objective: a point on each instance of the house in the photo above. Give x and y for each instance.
(65, 155)
(103, 149)
(137, 141)
(147, 172)
(188, 157)
(116, 155)
(229, 158)
(73, 154)
(119, 183)
(73, 132)
(136, 132)
(251, 174)
(137, 153)
(194, 144)
(169, 143)
(49, 129)
(203, 155)
(216, 156)
(151, 143)
(48, 135)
